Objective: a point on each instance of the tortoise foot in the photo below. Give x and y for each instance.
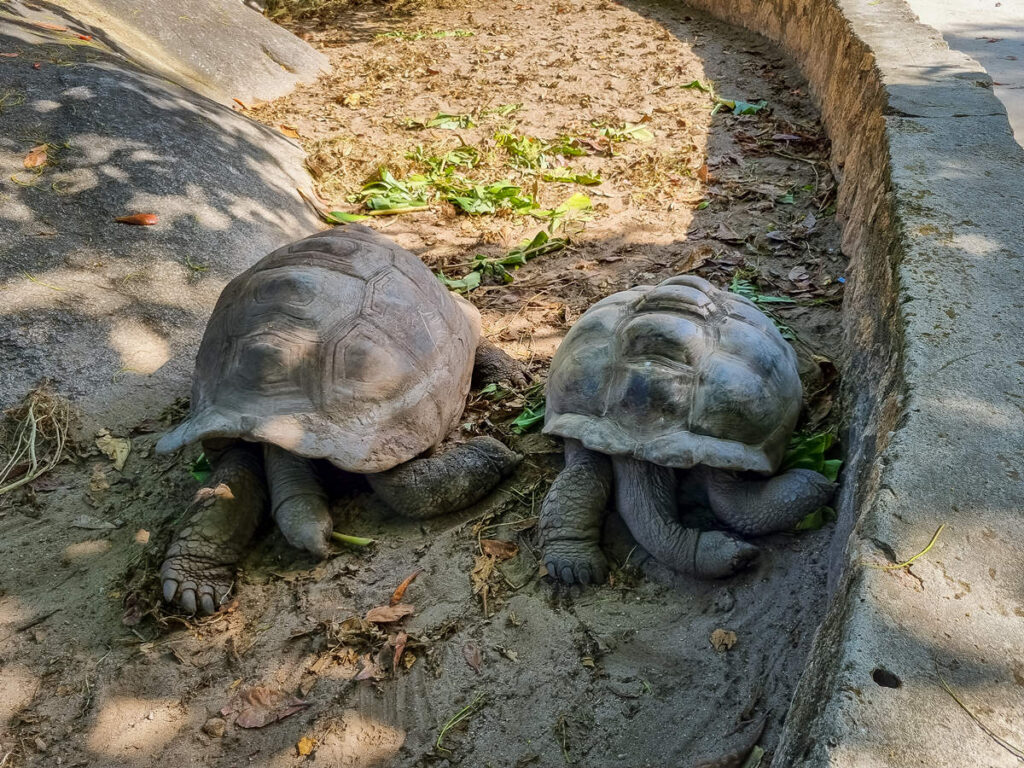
(576, 562)
(719, 555)
(196, 583)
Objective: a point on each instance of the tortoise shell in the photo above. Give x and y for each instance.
(677, 374)
(340, 346)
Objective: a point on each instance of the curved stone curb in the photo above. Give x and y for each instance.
(220, 48)
(933, 201)
(113, 313)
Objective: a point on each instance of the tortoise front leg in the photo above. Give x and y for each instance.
(298, 502)
(200, 564)
(646, 498)
(570, 517)
(450, 481)
(492, 366)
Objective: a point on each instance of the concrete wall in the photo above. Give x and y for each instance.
(932, 200)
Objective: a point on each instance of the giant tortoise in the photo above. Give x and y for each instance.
(658, 382)
(341, 346)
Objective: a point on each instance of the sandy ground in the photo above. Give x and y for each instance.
(496, 666)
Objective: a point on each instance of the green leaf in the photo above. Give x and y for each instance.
(626, 132)
(808, 452)
(463, 284)
(748, 290)
(703, 204)
(200, 468)
(817, 519)
(748, 108)
(528, 419)
(698, 85)
(830, 469)
(342, 217)
(786, 199)
(569, 176)
(450, 122)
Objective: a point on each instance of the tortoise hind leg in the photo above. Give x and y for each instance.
(450, 481)
(645, 496)
(570, 517)
(199, 567)
(298, 502)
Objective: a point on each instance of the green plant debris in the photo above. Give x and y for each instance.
(503, 110)
(698, 85)
(344, 217)
(541, 243)
(200, 468)
(578, 207)
(442, 120)
(748, 290)
(461, 716)
(569, 176)
(463, 156)
(386, 194)
(531, 153)
(528, 419)
(626, 132)
(809, 452)
(437, 34)
(738, 107)
(352, 541)
(490, 198)
(912, 560)
(754, 758)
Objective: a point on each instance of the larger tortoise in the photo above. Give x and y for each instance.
(341, 346)
(660, 381)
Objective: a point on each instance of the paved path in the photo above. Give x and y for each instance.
(992, 32)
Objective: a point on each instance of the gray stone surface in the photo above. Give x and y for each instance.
(931, 191)
(220, 48)
(114, 313)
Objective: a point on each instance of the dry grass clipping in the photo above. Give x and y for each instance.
(33, 438)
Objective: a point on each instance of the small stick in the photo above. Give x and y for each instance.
(464, 713)
(907, 563)
(354, 541)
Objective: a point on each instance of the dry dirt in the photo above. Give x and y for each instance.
(496, 666)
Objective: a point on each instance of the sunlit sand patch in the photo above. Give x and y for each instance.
(141, 350)
(139, 728)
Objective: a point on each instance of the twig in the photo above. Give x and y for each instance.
(1011, 748)
(467, 711)
(355, 541)
(907, 563)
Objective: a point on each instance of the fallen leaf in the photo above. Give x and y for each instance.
(10, 55)
(702, 173)
(305, 746)
(588, 661)
(138, 219)
(385, 614)
(399, 593)
(501, 550)
(36, 156)
(723, 640)
(85, 37)
(241, 103)
(47, 25)
(401, 639)
(471, 653)
(115, 448)
(290, 131)
(371, 669)
(259, 706)
(142, 536)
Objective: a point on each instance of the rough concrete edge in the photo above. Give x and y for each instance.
(873, 69)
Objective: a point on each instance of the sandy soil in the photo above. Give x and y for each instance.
(496, 666)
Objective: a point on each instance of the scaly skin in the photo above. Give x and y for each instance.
(493, 366)
(570, 517)
(450, 481)
(756, 506)
(645, 496)
(199, 568)
(298, 502)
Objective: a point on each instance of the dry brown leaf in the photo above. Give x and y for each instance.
(36, 156)
(259, 706)
(47, 25)
(471, 653)
(290, 131)
(371, 669)
(723, 640)
(385, 614)
(305, 746)
(138, 219)
(115, 448)
(399, 593)
(502, 550)
(400, 641)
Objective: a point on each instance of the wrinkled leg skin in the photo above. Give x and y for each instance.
(493, 366)
(645, 495)
(756, 506)
(452, 480)
(570, 517)
(200, 564)
(298, 502)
